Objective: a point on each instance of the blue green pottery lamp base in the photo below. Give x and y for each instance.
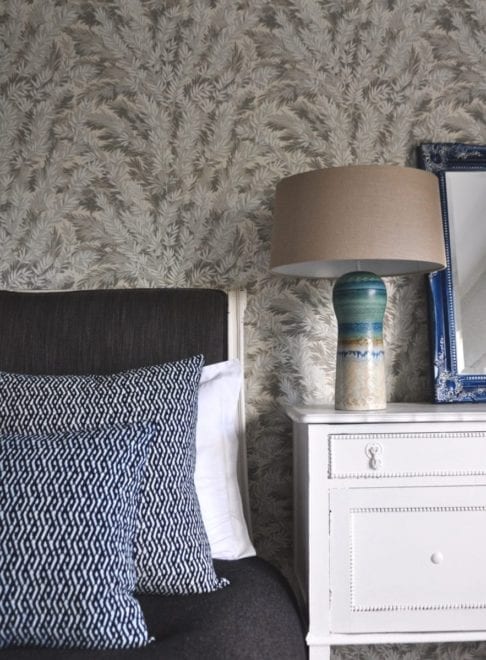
(359, 300)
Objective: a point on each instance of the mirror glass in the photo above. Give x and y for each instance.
(466, 204)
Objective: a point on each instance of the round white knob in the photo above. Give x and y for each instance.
(437, 557)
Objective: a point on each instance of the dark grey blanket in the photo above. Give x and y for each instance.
(255, 618)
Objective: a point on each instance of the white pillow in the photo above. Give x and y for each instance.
(216, 461)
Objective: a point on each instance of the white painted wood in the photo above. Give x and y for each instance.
(421, 449)
(394, 506)
(318, 581)
(301, 513)
(338, 639)
(423, 548)
(320, 652)
(395, 412)
(236, 350)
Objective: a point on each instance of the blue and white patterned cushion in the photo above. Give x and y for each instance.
(68, 514)
(172, 551)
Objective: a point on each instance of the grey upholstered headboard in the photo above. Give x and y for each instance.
(103, 331)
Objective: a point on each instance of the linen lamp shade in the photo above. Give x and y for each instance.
(372, 220)
(383, 218)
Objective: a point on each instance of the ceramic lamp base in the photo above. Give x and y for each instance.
(359, 303)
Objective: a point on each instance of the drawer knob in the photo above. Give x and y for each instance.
(437, 557)
(374, 452)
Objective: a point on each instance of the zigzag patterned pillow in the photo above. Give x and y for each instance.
(172, 551)
(68, 511)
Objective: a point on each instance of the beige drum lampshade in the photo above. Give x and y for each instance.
(381, 218)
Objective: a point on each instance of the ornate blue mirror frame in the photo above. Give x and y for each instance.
(450, 385)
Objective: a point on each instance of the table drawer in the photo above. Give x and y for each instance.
(389, 451)
(409, 559)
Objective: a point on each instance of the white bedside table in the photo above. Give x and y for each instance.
(390, 524)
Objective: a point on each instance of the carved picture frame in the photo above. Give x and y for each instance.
(450, 386)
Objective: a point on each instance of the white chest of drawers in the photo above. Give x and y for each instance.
(390, 524)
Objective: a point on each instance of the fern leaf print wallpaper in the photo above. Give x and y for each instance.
(140, 145)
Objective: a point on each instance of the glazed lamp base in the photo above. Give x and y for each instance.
(359, 300)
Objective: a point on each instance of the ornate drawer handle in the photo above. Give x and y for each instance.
(374, 452)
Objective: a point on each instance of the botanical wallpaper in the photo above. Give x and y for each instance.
(140, 145)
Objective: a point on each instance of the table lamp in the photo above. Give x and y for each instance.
(358, 223)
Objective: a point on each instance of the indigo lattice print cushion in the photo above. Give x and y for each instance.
(68, 513)
(172, 552)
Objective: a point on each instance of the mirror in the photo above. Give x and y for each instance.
(458, 293)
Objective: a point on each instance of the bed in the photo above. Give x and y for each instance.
(110, 331)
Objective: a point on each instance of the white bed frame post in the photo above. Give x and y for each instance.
(236, 350)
